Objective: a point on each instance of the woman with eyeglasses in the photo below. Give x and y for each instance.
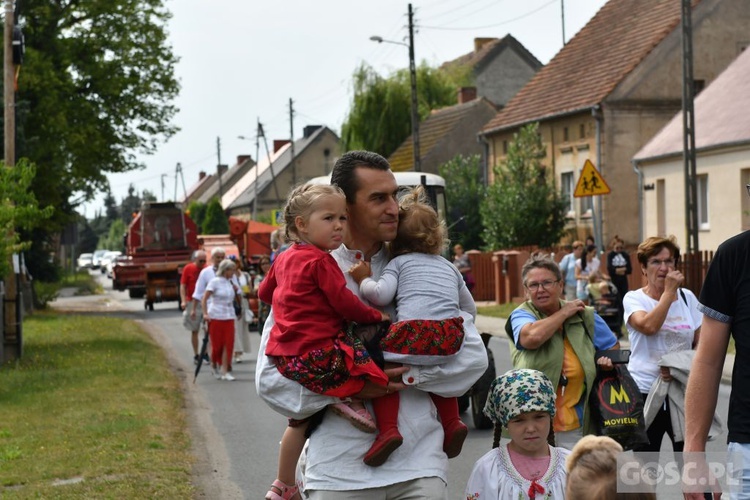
(560, 339)
(661, 318)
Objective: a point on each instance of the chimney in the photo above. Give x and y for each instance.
(222, 169)
(466, 94)
(242, 159)
(309, 130)
(279, 143)
(201, 175)
(481, 42)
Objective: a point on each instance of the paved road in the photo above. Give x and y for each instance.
(237, 434)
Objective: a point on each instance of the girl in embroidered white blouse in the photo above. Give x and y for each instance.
(521, 403)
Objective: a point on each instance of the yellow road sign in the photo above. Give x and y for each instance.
(591, 182)
(277, 217)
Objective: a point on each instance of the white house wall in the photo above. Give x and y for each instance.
(728, 172)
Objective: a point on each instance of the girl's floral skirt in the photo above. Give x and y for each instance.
(339, 370)
(425, 337)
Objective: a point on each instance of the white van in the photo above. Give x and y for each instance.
(434, 186)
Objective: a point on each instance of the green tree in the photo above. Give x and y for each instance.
(216, 221)
(97, 86)
(87, 238)
(197, 212)
(96, 89)
(130, 204)
(111, 211)
(147, 195)
(19, 210)
(379, 118)
(464, 192)
(522, 206)
(114, 239)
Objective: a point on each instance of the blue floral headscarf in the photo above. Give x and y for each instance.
(519, 391)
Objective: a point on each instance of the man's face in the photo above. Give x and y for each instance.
(200, 260)
(374, 214)
(216, 259)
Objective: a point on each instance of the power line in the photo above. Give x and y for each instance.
(447, 28)
(463, 6)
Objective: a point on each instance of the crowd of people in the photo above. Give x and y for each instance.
(362, 317)
(215, 299)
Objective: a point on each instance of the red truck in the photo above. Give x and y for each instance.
(159, 243)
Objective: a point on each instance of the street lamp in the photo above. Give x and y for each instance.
(414, 109)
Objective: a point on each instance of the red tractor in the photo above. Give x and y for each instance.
(159, 243)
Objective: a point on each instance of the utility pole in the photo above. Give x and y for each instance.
(291, 140)
(257, 166)
(562, 8)
(414, 103)
(12, 345)
(688, 129)
(178, 173)
(218, 168)
(270, 163)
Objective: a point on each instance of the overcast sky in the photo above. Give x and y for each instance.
(242, 60)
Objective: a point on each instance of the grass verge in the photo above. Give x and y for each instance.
(497, 310)
(91, 411)
(84, 281)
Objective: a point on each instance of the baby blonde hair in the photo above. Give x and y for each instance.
(420, 230)
(302, 202)
(592, 471)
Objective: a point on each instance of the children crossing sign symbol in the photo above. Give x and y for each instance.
(591, 182)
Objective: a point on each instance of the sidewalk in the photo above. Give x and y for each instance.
(496, 326)
(68, 301)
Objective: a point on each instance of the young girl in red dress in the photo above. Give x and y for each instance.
(310, 303)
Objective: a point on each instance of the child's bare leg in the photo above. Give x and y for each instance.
(291, 448)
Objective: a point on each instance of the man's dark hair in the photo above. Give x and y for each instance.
(343, 171)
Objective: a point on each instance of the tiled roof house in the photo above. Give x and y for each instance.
(228, 178)
(201, 185)
(314, 156)
(497, 69)
(610, 89)
(447, 132)
(722, 146)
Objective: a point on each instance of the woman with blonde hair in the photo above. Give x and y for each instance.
(219, 315)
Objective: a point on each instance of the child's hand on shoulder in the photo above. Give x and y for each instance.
(385, 317)
(360, 271)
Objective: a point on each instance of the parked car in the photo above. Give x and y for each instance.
(85, 261)
(112, 261)
(107, 259)
(96, 262)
